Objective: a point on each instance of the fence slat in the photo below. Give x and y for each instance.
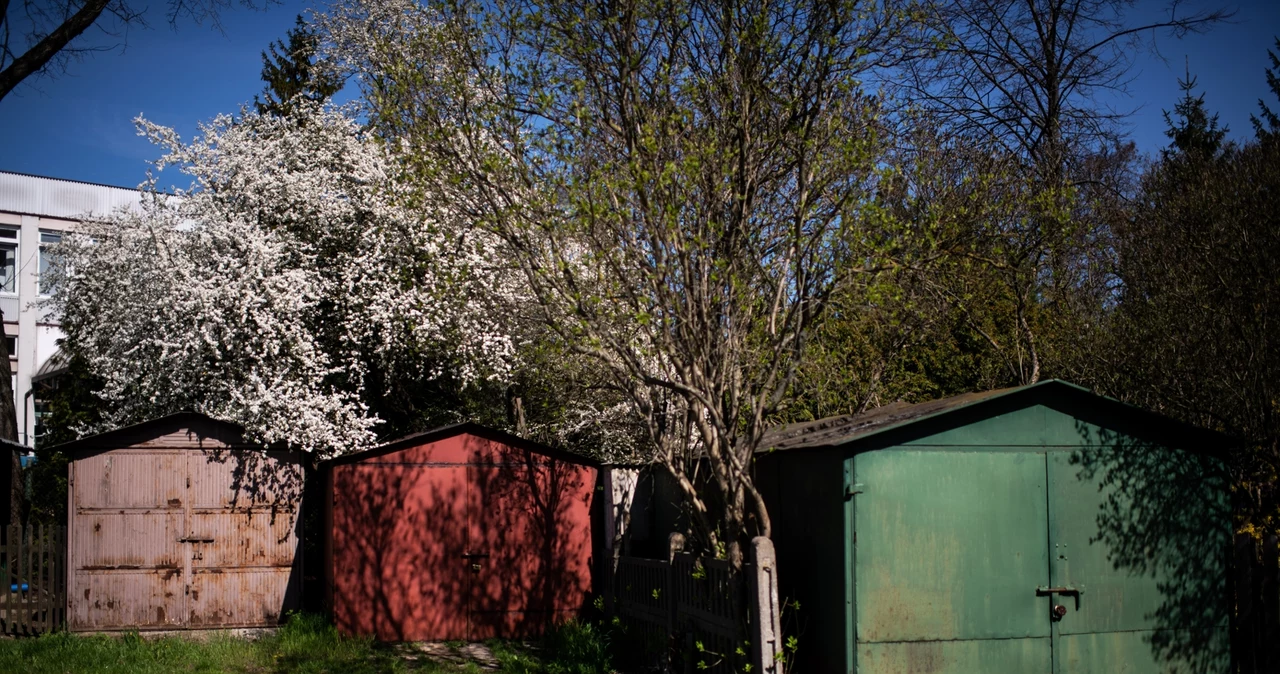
(33, 566)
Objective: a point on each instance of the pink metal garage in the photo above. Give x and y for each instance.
(179, 523)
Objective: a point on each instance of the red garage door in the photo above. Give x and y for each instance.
(461, 537)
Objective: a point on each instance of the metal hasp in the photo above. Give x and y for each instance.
(986, 513)
(1050, 591)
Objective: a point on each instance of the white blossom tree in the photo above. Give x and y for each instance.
(268, 293)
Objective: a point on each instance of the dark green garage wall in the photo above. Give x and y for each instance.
(1173, 507)
(805, 496)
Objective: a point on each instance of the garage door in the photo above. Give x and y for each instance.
(529, 545)
(174, 538)
(426, 548)
(1035, 561)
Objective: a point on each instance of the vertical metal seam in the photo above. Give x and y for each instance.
(850, 568)
(1048, 515)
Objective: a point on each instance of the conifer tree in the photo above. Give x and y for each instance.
(1191, 128)
(291, 71)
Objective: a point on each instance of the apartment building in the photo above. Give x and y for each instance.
(35, 212)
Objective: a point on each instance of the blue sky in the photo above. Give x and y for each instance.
(79, 126)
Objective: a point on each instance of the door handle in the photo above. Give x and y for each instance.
(196, 539)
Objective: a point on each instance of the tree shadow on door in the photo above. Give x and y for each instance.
(1165, 515)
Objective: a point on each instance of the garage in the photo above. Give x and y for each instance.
(1039, 528)
(463, 532)
(179, 523)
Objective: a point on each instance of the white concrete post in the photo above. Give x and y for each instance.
(766, 612)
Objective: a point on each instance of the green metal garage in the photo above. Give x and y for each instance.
(1033, 529)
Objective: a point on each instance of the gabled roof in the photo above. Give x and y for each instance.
(467, 427)
(119, 436)
(852, 428)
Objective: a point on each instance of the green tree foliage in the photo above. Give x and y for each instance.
(1192, 334)
(291, 72)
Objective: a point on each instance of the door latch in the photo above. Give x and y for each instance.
(1064, 590)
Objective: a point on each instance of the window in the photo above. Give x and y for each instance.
(11, 341)
(46, 239)
(8, 260)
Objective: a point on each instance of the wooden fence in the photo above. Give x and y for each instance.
(692, 614)
(33, 562)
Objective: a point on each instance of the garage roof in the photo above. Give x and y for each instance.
(850, 428)
(451, 430)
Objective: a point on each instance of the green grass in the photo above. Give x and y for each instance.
(306, 645)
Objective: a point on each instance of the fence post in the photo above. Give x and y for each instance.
(675, 545)
(766, 613)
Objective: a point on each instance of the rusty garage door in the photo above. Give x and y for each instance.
(167, 538)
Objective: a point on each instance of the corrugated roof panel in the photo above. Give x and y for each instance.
(835, 430)
(56, 198)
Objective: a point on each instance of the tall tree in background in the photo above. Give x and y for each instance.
(43, 37)
(1021, 80)
(682, 185)
(1193, 332)
(292, 74)
(1194, 132)
(1027, 75)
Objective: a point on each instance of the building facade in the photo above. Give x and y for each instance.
(35, 213)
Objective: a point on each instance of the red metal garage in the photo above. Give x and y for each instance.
(463, 532)
(179, 523)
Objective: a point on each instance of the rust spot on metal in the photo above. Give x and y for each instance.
(97, 526)
(86, 594)
(160, 614)
(175, 502)
(169, 576)
(103, 567)
(924, 657)
(195, 595)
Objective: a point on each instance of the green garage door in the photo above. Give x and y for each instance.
(1142, 534)
(958, 558)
